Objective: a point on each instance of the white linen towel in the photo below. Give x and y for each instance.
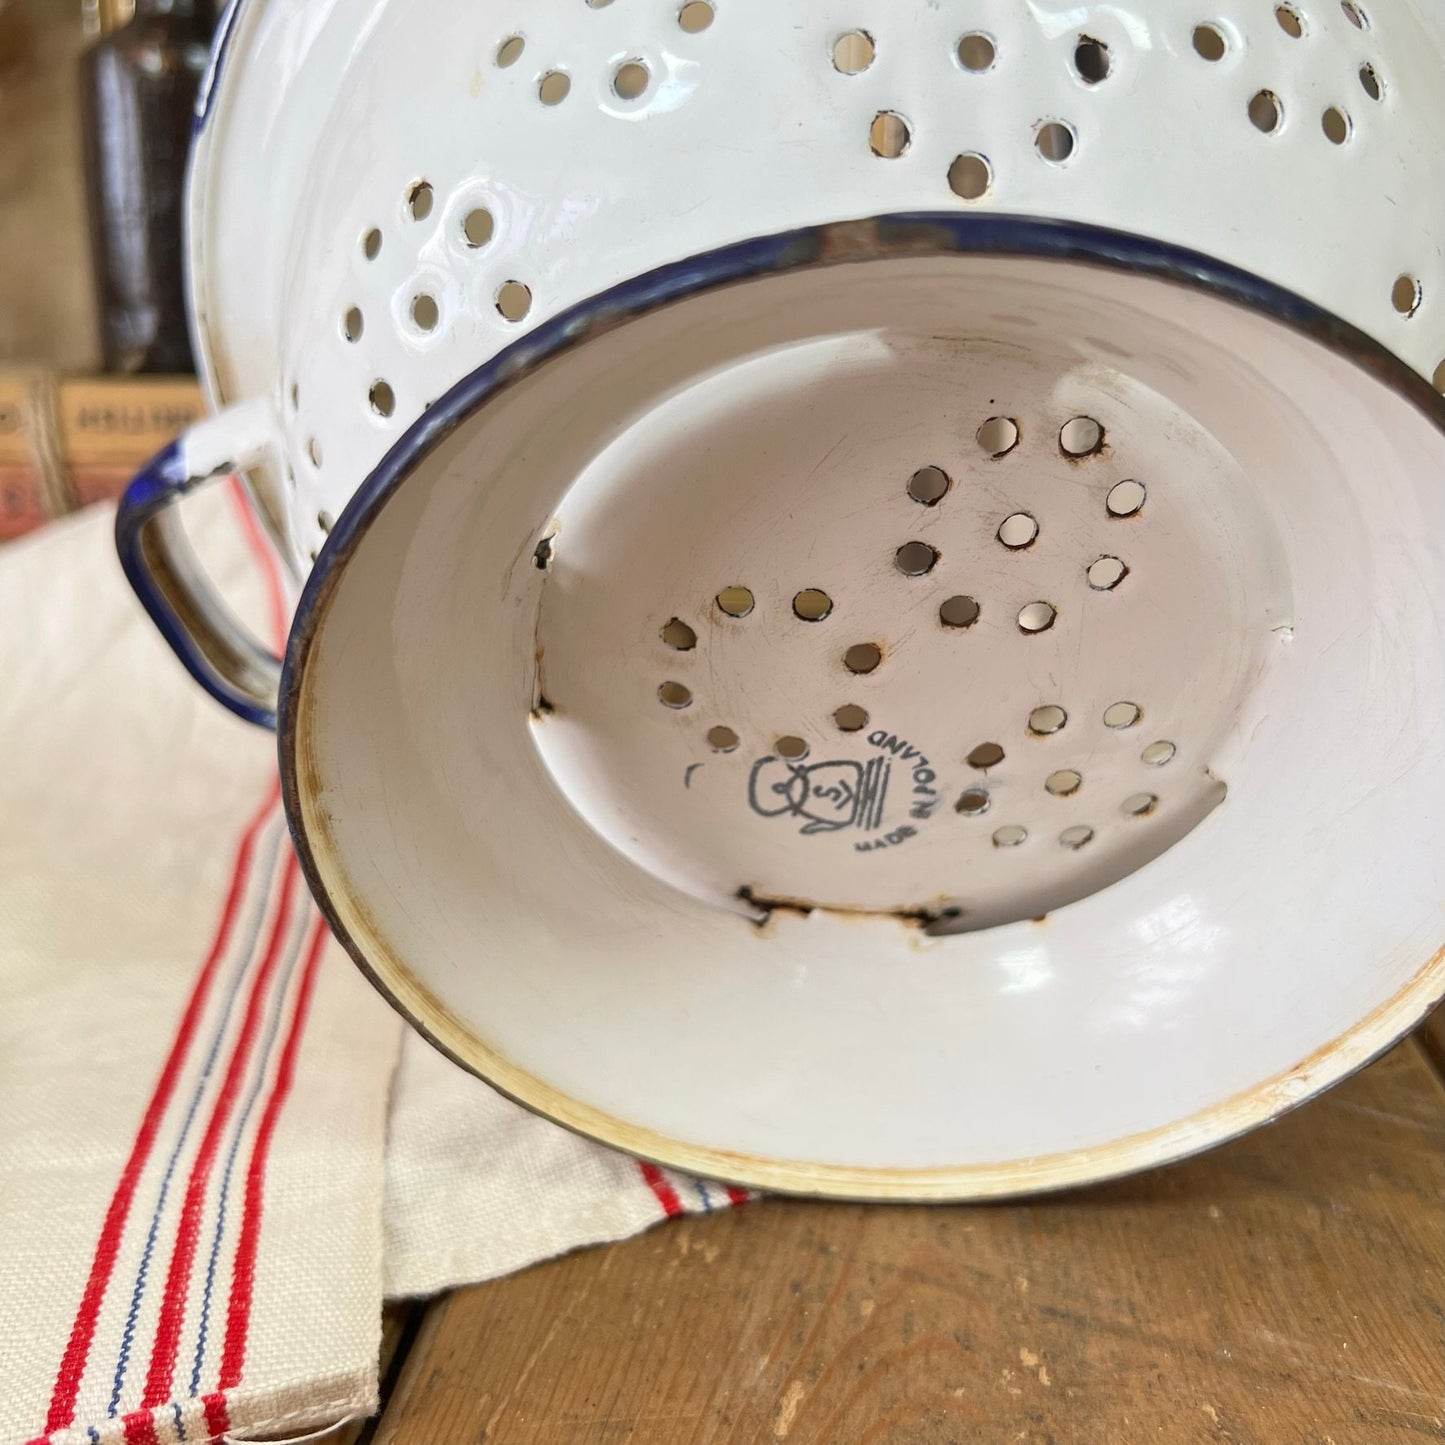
(219, 1148)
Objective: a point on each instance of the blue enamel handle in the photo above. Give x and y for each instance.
(235, 668)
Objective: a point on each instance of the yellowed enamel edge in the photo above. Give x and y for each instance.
(357, 931)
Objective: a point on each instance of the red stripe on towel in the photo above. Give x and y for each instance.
(82, 1331)
(243, 1273)
(218, 1421)
(656, 1181)
(173, 1302)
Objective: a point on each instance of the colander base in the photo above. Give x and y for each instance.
(491, 774)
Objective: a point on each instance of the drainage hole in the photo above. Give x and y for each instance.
(958, 612)
(915, 559)
(1037, 617)
(735, 601)
(678, 635)
(1106, 573)
(1139, 805)
(863, 657)
(1080, 436)
(928, 485)
(1064, 783)
(1018, 531)
(998, 436)
(1125, 498)
(811, 605)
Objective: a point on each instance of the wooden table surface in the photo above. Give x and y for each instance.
(1285, 1288)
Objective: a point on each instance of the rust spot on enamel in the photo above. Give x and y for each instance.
(768, 904)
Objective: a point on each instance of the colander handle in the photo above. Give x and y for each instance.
(162, 567)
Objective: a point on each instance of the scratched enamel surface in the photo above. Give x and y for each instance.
(942, 788)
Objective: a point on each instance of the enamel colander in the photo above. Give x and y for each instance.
(872, 575)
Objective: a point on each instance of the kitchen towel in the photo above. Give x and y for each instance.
(219, 1148)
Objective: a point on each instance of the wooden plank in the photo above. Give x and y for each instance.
(1432, 1039)
(1285, 1288)
(400, 1322)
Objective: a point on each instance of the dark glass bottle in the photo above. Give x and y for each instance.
(138, 88)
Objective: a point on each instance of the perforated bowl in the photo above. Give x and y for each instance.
(356, 250)
(866, 643)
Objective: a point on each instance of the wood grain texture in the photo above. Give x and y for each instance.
(1286, 1287)
(1432, 1039)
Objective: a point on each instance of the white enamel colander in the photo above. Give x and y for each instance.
(872, 613)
